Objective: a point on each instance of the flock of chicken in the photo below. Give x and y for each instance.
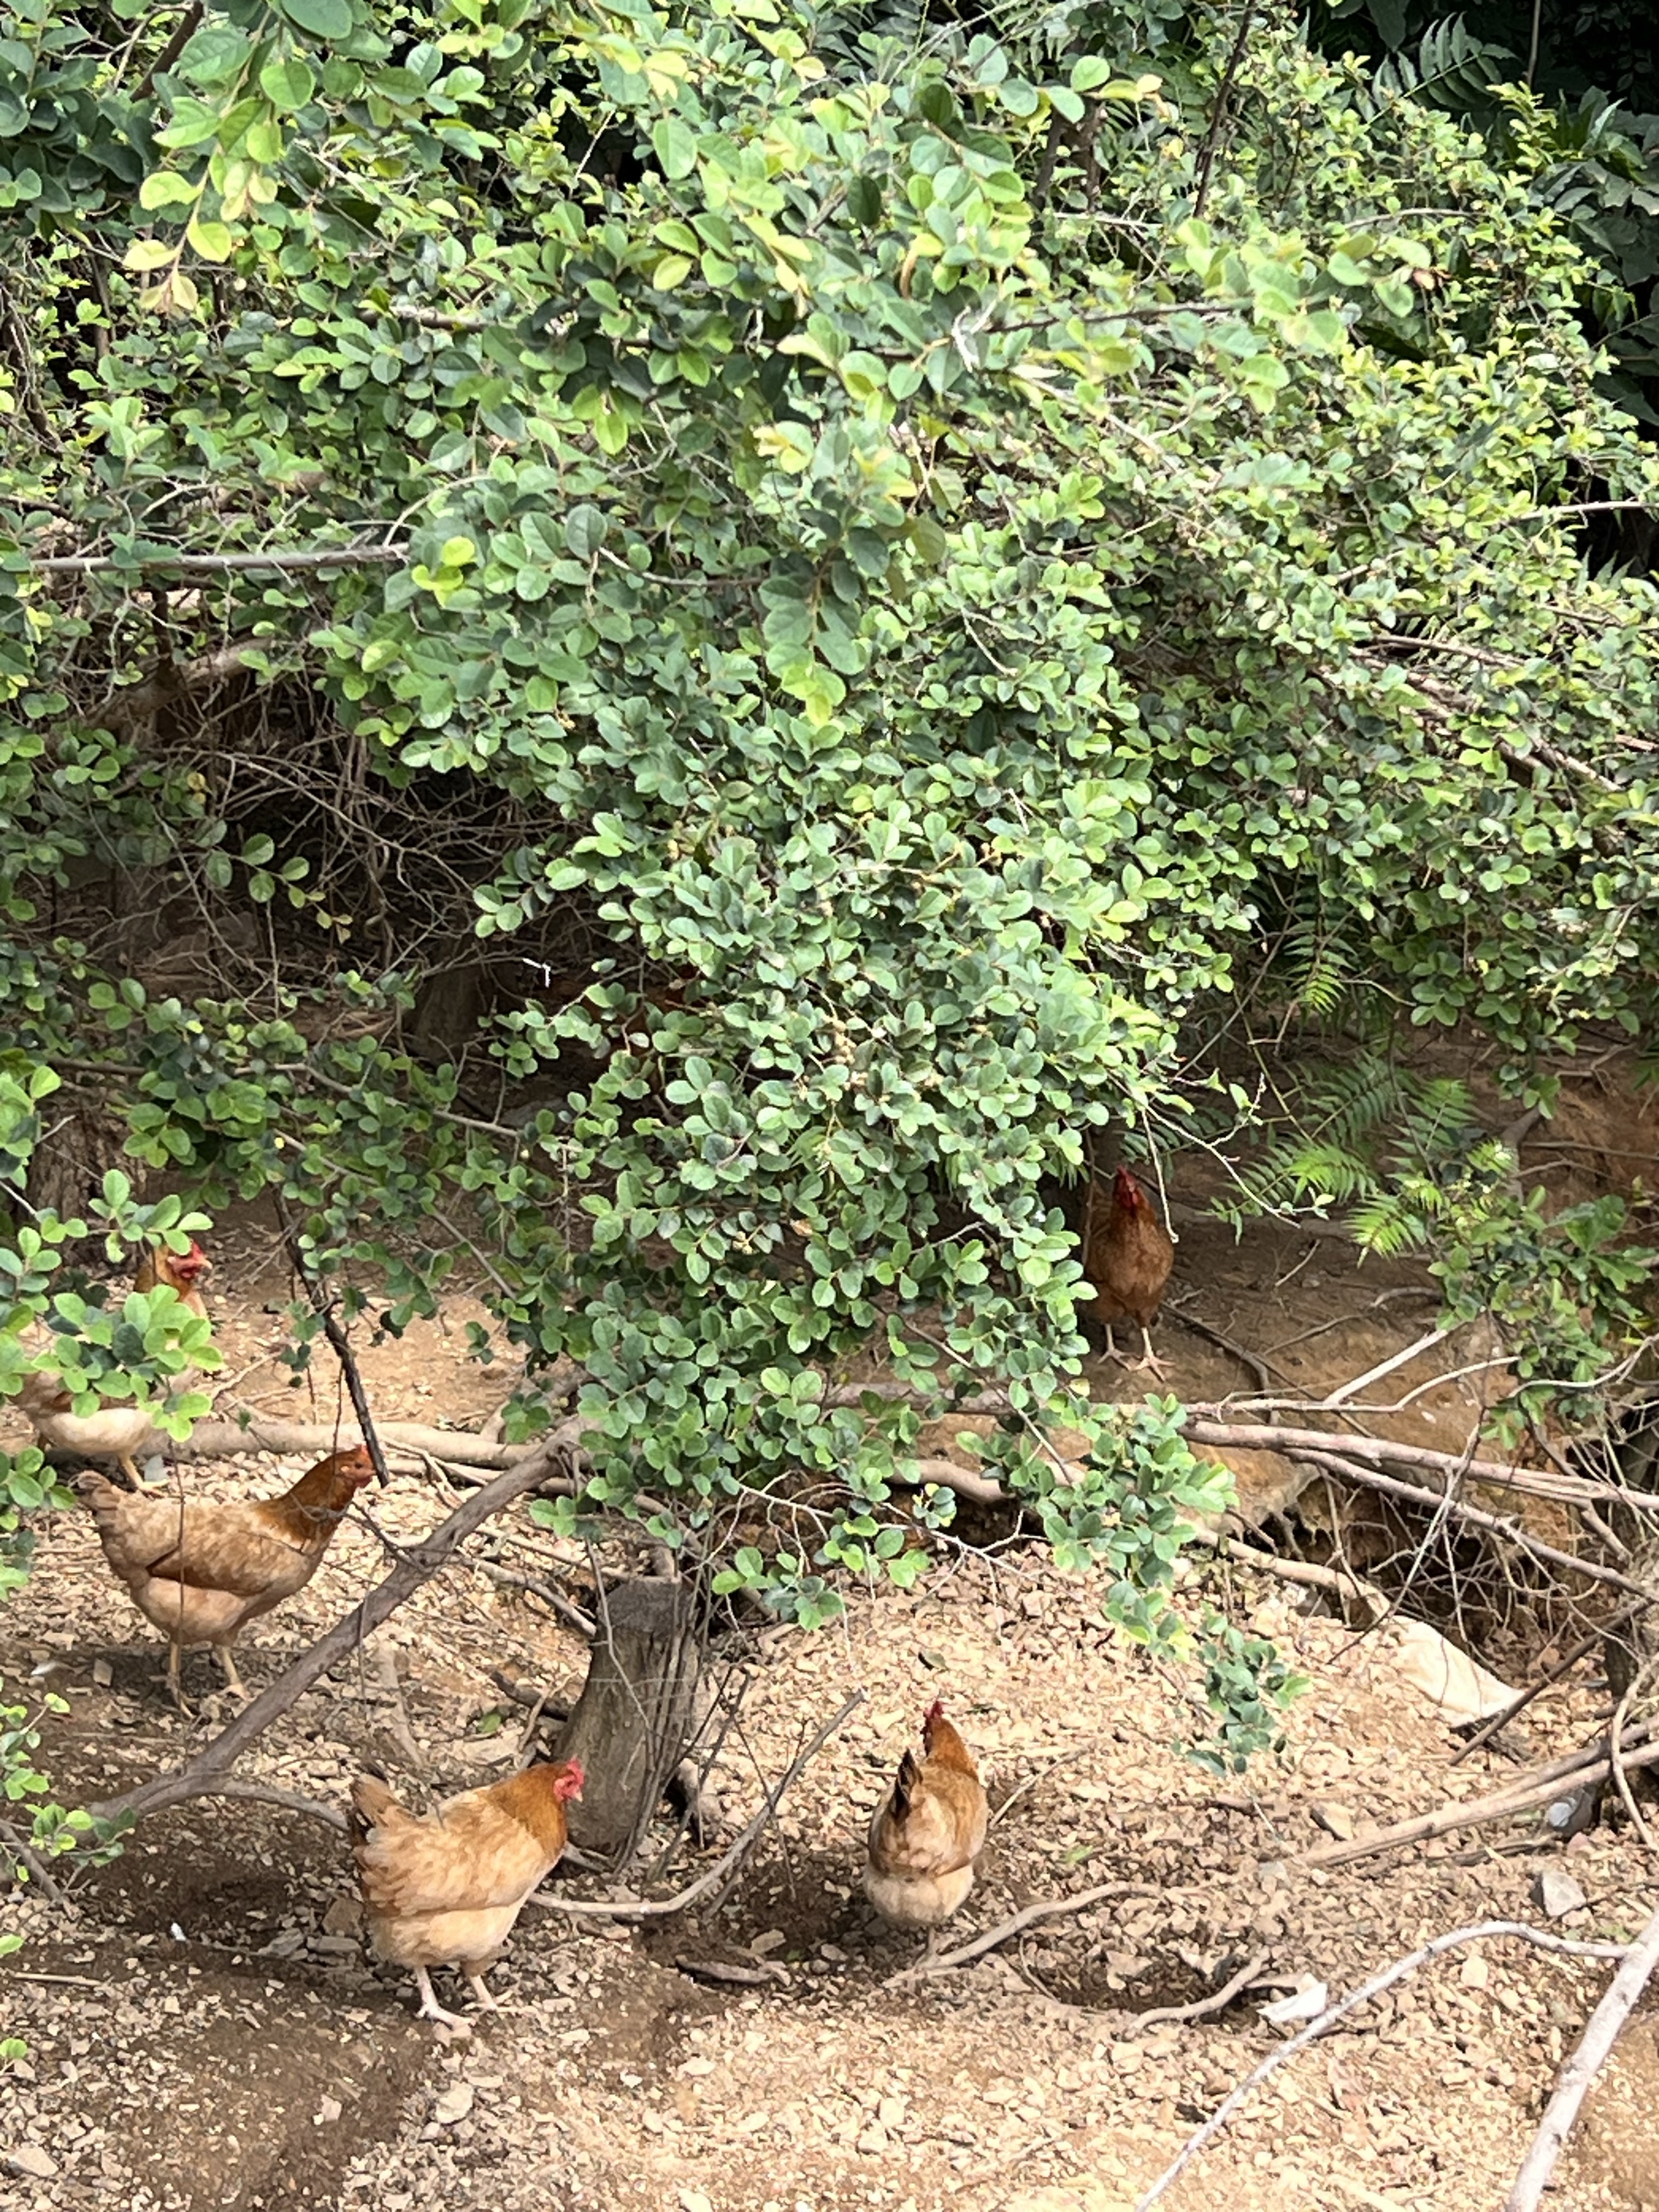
(446, 1888)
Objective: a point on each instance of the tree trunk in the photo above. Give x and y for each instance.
(635, 1713)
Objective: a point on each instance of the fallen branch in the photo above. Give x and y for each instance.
(417, 1445)
(743, 1978)
(1474, 1517)
(1582, 1649)
(1310, 1576)
(572, 1615)
(663, 1908)
(1384, 1451)
(1524, 1795)
(1202, 2007)
(1581, 2070)
(202, 1776)
(1328, 2020)
(1050, 1909)
(291, 1800)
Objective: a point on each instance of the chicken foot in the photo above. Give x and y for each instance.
(481, 1990)
(1149, 1364)
(431, 2010)
(234, 1681)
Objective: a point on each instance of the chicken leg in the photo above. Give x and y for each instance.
(175, 1682)
(234, 1681)
(1150, 1364)
(487, 2002)
(431, 2010)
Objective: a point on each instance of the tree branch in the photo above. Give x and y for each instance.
(202, 1777)
(1051, 1908)
(662, 1908)
(1541, 1788)
(1385, 1451)
(455, 1447)
(212, 564)
(1327, 2020)
(1600, 2035)
(1339, 1464)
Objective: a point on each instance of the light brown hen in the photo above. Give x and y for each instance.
(446, 1890)
(201, 1571)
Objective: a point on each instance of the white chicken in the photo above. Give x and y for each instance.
(114, 1431)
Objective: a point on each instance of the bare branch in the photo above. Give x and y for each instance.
(1581, 2070)
(1386, 1451)
(214, 564)
(1540, 1787)
(723, 1869)
(1339, 1464)
(1328, 2020)
(1052, 1908)
(412, 1441)
(1202, 2007)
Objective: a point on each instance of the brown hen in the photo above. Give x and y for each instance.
(1128, 1256)
(446, 1890)
(200, 1572)
(928, 1833)
(115, 1430)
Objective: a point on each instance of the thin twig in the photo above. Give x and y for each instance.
(1202, 2008)
(1592, 1570)
(1213, 142)
(1049, 1909)
(291, 1800)
(204, 1775)
(723, 1869)
(1328, 2020)
(323, 1306)
(1616, 1761)
(214, 564)
(1600, 2035)
(1580, 1650)
(572, 1615)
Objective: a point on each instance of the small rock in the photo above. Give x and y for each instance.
(1336, 1820)
(1571, 1816)
(1273, 1875)
(101, 1674)
(328, 2112)
(1558, 1893)
(29, 2158)
(1305, 2003)
(453, 2105)
(694, 2068)
(773, 1940)
(343, 1917)
(874, 2141)
(1129, 2057)
(694, 2200)
(890, 2112)
(1475, 1972)
(335, 1947)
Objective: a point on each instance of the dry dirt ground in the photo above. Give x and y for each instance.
(203, 2029)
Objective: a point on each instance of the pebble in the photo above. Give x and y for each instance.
(1336, 1820)
(1557, 1893)
(29, 2158)
(453, 2105)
